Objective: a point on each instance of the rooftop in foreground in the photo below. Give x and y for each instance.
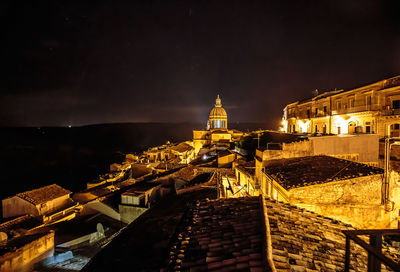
(143, 245)
(234, 234)
(311, 170)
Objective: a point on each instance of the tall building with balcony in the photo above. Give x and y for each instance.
(373, 108)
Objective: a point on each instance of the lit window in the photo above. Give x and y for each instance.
(369, 100)
(351, 102)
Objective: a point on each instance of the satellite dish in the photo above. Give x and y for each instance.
(100, 228)
(3, 236)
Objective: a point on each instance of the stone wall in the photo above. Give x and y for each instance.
(130, 213)
(363, 147)
(289, 150)
(23, 258)
(53, 204)
(366, 145)
(15, 206)
(355, 201)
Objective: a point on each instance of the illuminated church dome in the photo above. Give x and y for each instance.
(218, 118)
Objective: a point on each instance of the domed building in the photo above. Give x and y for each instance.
(218, 118)
(217, 134)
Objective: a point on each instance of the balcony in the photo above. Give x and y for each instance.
(389, 112)
(355, 109)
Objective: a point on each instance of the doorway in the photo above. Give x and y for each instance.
(351, 127)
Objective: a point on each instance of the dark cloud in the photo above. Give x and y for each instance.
(104, 61)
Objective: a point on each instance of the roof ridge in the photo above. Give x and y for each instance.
(267, 237)
(335, 221)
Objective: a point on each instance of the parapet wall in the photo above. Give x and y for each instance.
(355, 201)
(360, 148)
(23, 258)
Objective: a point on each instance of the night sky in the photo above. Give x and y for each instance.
(85, 62)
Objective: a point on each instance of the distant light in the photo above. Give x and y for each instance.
(69, 126)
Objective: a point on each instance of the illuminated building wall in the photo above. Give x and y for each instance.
(369, 109)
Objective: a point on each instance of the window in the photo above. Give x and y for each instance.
(369, 100)
(316, 128)
(308, 113)
(396, 104)
(294, 128)
(316, 111)
(338, 130)
(324, 128)
(351, 102)
(397, 126)
(339, 105)
(325, 109)
(368, 129)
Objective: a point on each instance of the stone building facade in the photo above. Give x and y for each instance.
(363, 148)
(41, 201)
(22, 252)
(374, 108)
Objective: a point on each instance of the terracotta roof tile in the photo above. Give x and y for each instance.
(44, 194)
(305, 241)
(182, 147)
(224, 234)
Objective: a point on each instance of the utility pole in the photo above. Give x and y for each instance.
(386, 183)
(217, 177)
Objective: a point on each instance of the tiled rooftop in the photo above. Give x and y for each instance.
(187, 173)
(224, 234)
(182, 147)
(143, 245)
(304, 171)
(304, 241)
(227, 172)
(44, 194)
(18, 242)
(19, 224)
(248, 168)
(235, 234)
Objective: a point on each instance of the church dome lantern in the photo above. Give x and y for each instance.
(218, 118)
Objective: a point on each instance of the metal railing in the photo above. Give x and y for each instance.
(355, 109)
(374, 248)
(388, 112)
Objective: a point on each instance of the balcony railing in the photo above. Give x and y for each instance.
(388, 112)
(374, 248)
(355, 109)
(347, 110)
